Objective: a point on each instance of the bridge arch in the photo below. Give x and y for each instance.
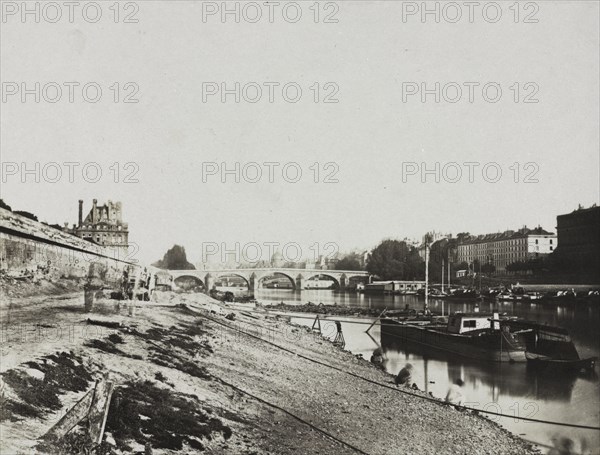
(260, 279)
(219, 276)
(188, 282)
(312, 275)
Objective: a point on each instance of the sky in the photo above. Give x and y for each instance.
(171, 146)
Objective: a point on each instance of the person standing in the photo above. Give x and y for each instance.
(125, 284)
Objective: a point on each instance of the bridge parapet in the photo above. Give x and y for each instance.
(253, 277)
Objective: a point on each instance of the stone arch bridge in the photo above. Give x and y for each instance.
(254, 277)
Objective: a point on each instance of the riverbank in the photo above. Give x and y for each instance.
(188, 379)
(321, 308)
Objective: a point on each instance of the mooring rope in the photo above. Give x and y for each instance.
(406, 392)
(268, 403)
(300, 419)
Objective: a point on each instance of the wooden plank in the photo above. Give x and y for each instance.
(317, 322)
(248, 315)
(375, 321)
(73, 416)
(105, 414)
(99, 410)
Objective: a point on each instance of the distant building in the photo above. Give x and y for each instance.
(103, 225)
(277, 259)
(394, 287)
(507, 247)
(431, 238)
(323, 262)
(579, 239)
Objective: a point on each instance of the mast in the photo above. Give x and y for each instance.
(442, 275)
(426, 274)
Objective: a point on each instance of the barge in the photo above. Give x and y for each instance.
(472, 335)
(549, 346)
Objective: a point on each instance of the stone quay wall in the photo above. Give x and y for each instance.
(30, 249)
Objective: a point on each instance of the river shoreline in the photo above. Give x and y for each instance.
(237, 369)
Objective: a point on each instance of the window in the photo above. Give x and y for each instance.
(536, 241)
(551, 248)
(470, 324)
(550, 242)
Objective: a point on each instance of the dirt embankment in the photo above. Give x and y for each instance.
(35, 285)
(320, 308)
(188, 380)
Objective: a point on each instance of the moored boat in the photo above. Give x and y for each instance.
(533, 296)
(473, 335)
(574, 365)
(549, 346)
(464, 294)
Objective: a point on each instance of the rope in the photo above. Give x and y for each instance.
(300, 419)
(261, 400)
(554, 447)
(431, 399)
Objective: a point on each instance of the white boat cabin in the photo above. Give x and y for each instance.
(466, 322)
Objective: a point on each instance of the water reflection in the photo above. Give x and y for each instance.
(515, 390)
(582, 322)
(517, 380)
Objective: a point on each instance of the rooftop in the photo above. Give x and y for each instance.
(506, 235)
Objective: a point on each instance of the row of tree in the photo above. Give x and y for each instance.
(23, 213)
(394, 260)
(397, 260)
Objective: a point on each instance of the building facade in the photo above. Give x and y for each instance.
(507, 247)
(104, 226)
(430, 238)
(579, 237)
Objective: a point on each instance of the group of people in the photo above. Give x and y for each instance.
(404, 378)
(143, 282)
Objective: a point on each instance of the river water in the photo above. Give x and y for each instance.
(514, 389)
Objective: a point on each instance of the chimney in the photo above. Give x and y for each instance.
(94, 211)
(80, 212)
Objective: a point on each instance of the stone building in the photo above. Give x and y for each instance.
(579, 239)
(430, 238)
(104, 226)
(507, 247)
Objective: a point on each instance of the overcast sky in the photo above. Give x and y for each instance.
(368, 56)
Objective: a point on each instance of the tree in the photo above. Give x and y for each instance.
(4, 205)
(350, 262)
(517, 266)
(462, 237)
(438, 255)
(174, 259)
(462, 266)
(25, 214)
(488, 269)
(415, 266)
(394, 260)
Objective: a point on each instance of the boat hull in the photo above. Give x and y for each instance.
(493, 346)
(576, 365)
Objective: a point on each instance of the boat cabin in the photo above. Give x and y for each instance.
(466, 322)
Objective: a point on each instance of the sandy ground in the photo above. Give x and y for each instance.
(289, 392)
